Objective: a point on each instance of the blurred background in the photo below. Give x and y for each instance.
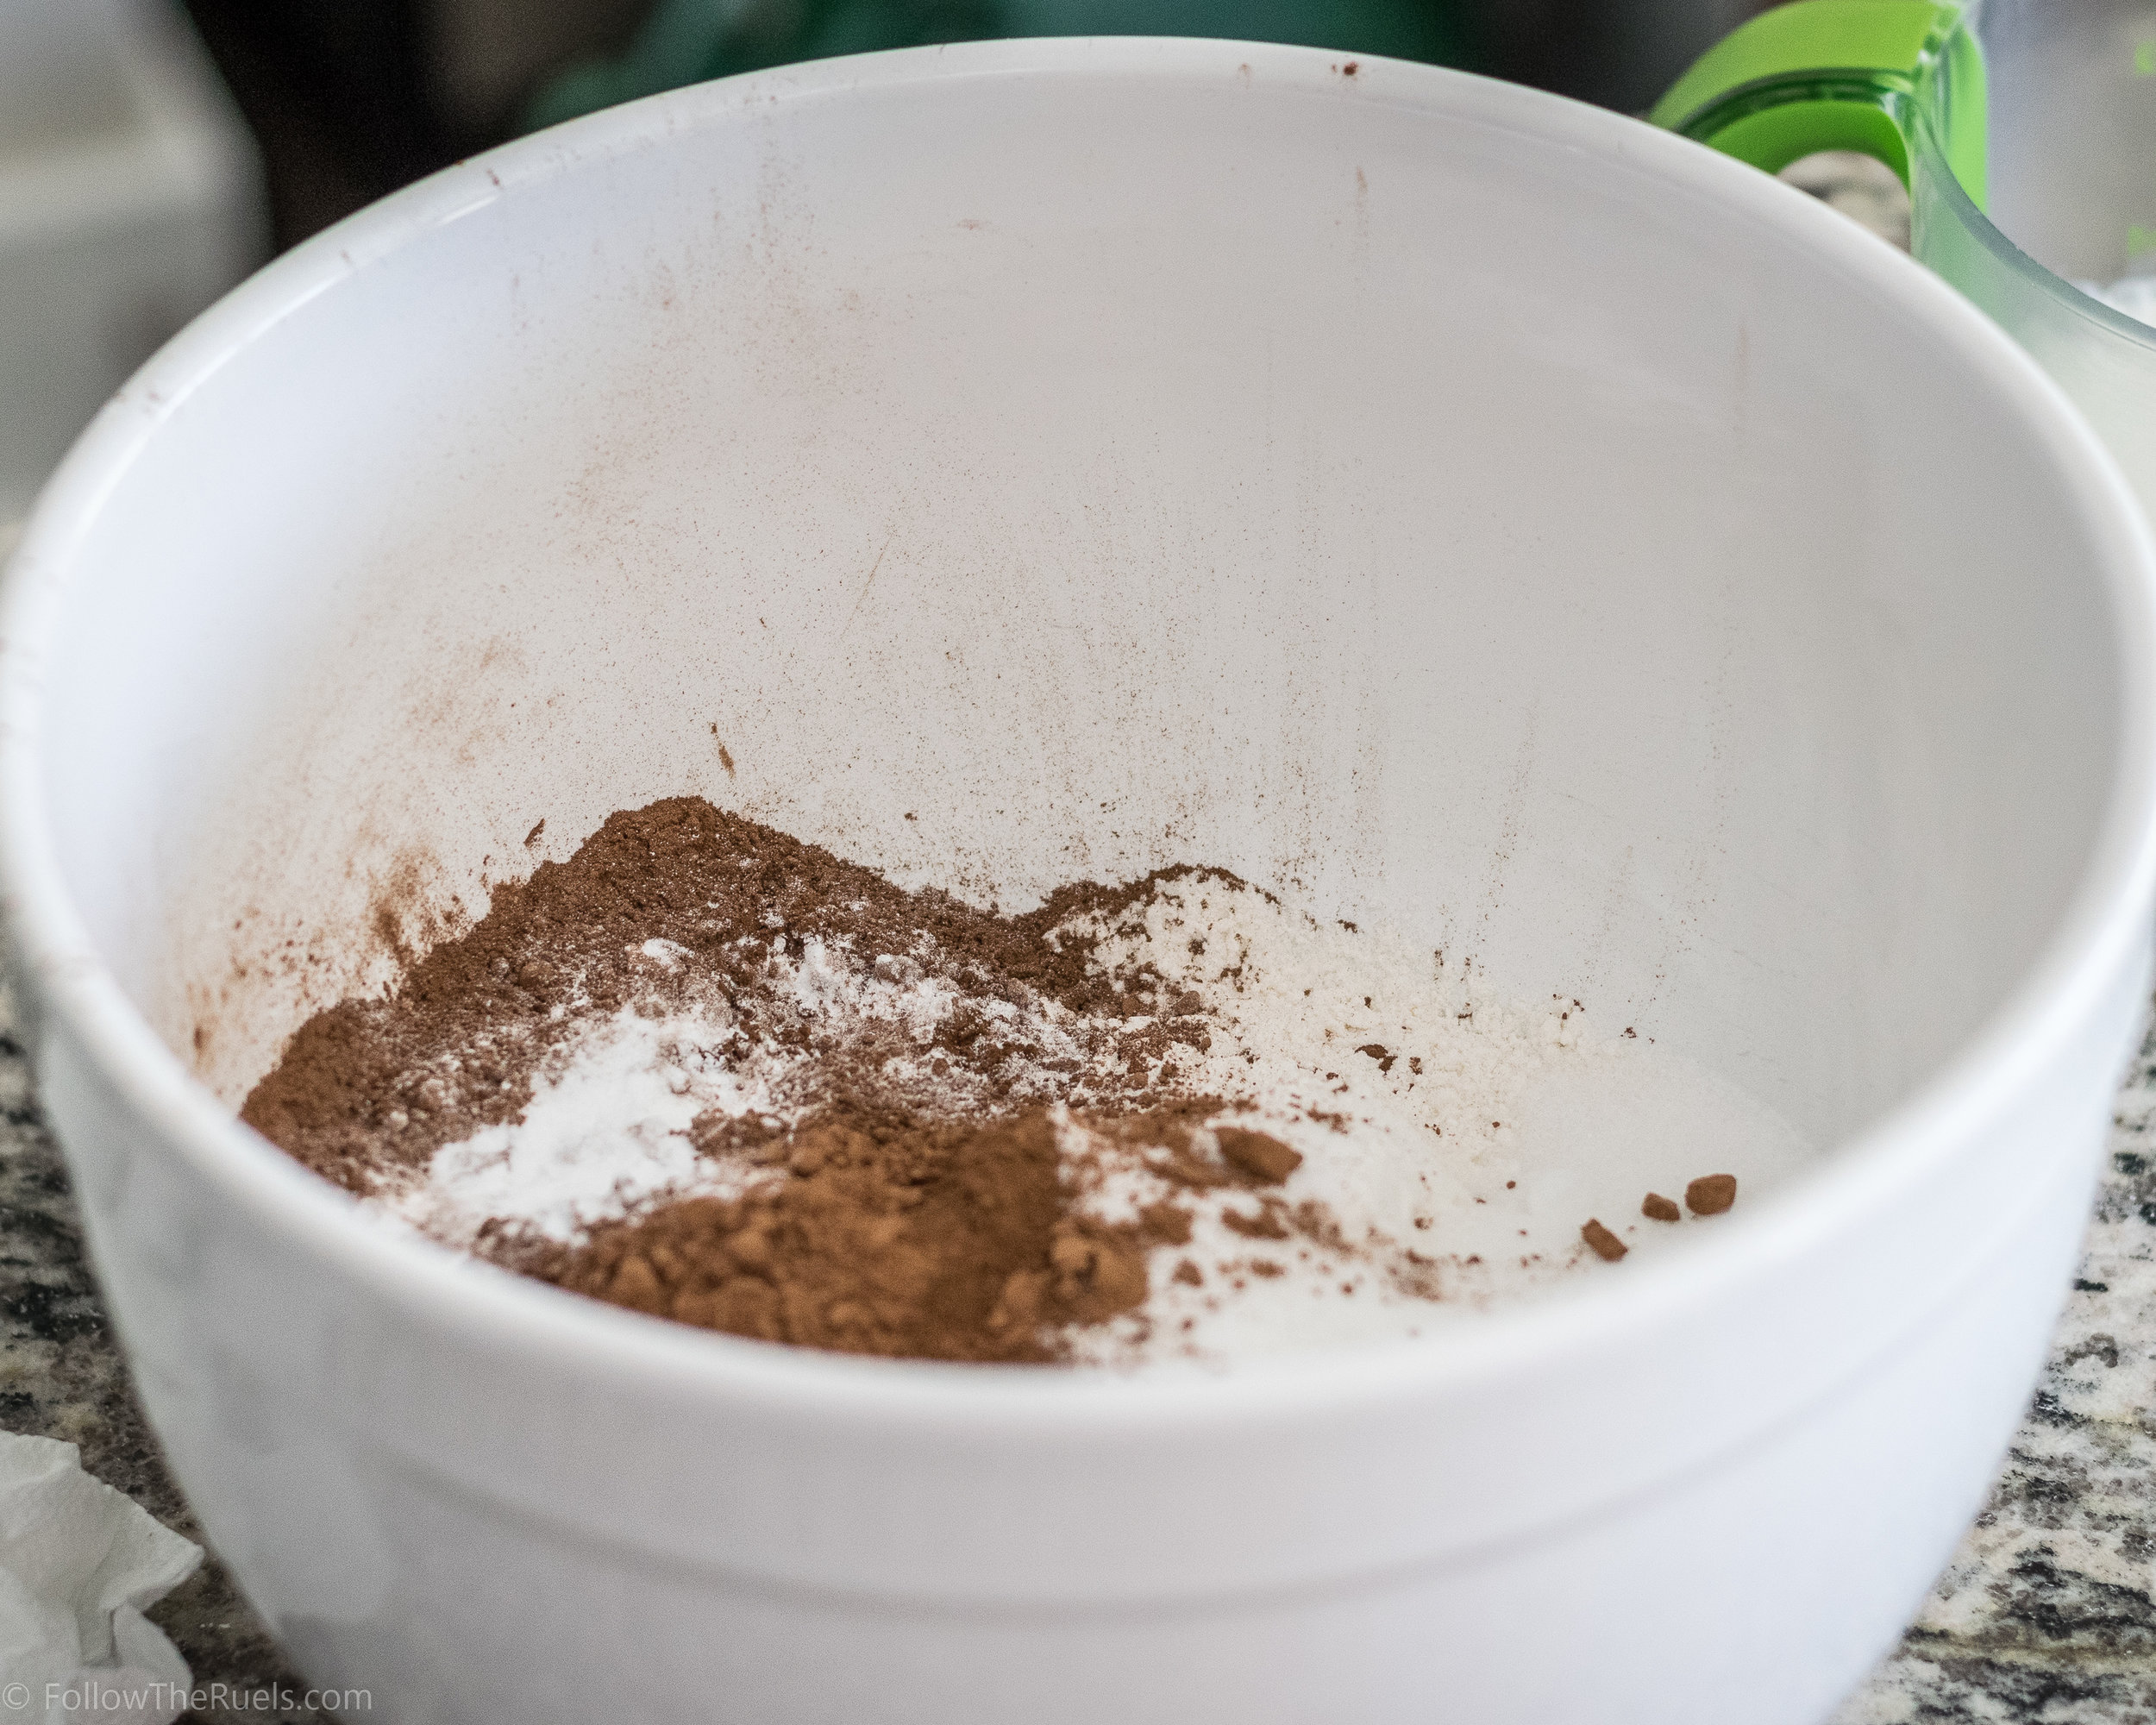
(152, 152)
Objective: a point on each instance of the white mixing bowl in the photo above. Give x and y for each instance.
(1490, 515)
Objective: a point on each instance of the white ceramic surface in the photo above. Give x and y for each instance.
(1491, 515)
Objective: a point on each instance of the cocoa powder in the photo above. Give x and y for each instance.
(1711, 1194)
(1604, 1245)
(888, 1204)
(891, 1236)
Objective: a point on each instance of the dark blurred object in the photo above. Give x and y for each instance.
(352, 98)
(685, 41)
(485, 57)
(1615, 53)
(335, 92)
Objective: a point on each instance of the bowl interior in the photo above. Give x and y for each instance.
(1033, 465)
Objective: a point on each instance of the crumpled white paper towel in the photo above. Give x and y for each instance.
(78, 1564)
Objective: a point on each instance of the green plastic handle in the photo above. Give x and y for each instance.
(1840, 75)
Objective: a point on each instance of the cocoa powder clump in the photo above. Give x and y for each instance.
(891, 1235)
(370, 1086)
(1711, 1194)
(898, 1200)
(1604, 1245)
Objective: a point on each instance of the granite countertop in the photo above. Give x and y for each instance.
(2046, 1616)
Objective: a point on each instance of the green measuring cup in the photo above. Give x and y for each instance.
(2026, 133)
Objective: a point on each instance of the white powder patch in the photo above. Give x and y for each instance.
(606, 1134)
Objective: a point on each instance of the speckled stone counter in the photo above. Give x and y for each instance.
(2047, 1613)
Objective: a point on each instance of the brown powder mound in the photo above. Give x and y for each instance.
(890, 1236)
(906, 1201)
(370, 1086)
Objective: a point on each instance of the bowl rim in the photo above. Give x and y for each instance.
(440, 1292)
